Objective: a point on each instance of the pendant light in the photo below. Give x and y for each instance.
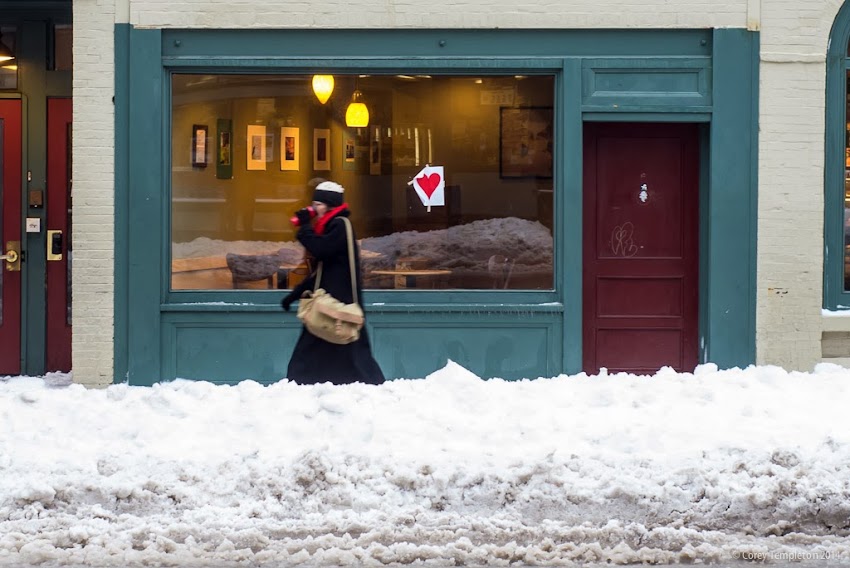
(323, 86)
(357, 114)
(6, 54)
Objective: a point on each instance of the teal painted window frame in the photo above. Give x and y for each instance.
(412, 300)
(837, 66)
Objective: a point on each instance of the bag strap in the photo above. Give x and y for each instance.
(349, 237)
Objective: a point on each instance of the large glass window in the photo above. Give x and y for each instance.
(246, 147)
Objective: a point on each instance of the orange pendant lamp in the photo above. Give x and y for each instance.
(357, 115)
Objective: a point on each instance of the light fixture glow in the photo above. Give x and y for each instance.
(357, 115)
(5, 53)
(323, 86)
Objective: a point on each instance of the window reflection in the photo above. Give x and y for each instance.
(245, 147)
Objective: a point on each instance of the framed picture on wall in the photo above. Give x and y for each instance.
(290, 150)
(199, 145)
(224, 155)
(256, 147)
(321, 149)
(375, 150)
(349, 149)
(525, 142)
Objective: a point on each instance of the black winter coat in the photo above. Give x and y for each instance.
(315, 360)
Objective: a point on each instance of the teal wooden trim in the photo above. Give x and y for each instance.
(122, 205)
(390, 65)
(379, 307)
(730, 290)
(630, 116)
(646, 83)
(834, 295)
(755, 113)
(32, 81)
(434, 43)
(373, 297)
(568, 214)
(144, 183)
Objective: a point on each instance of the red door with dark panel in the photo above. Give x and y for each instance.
(10, 231)
(58, 235)
(641, 247)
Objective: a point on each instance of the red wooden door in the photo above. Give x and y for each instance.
(641, 247)
(10, 231)
(58, 234)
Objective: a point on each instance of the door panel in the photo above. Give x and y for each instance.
(10, 231)
(58, 234)
(641, 246)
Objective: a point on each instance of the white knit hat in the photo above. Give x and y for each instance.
(329, 192)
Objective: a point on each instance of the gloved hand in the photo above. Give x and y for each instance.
(304, 217)
(287, 300)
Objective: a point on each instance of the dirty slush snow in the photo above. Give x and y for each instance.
(715, 466)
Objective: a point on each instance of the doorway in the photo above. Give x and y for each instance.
(640, 247)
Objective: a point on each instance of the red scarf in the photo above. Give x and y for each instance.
(321, 223)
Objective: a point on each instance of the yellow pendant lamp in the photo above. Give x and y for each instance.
(357, 115)
(323, 86)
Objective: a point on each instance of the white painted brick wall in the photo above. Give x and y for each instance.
(93, 191)
(794, 36)
(791, 176)
(439, 14)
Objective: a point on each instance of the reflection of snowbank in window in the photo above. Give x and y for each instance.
(463, 248)
(468, 247)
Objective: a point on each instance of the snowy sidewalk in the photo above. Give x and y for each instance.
(725, 467)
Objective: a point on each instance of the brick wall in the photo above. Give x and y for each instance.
(440, 14)
(791, 174)
(93, 191)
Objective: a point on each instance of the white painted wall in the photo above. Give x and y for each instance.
(791, 141)
(93, 190)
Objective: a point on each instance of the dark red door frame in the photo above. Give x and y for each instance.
(58, 357)
(640, 305)
(10, 209)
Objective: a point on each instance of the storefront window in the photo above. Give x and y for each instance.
(246, 147)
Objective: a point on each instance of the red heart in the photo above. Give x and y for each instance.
(428, 184)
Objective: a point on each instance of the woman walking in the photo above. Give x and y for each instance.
(315, 360)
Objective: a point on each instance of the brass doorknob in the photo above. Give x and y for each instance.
(10, 257)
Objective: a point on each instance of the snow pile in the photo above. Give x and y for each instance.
(716, 466)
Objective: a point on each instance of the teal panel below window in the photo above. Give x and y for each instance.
(229, 347)
(227, 351)
(509, 349)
